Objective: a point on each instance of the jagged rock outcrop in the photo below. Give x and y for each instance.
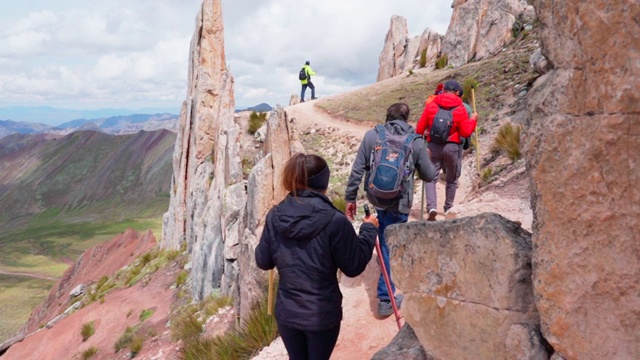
(404, 346)
(582, 141)
(392, 54)
(468, 287)
(539, 63)
(479, 28)
(401, 53)
(206, 161)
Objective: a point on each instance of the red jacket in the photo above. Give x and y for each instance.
(462, 125)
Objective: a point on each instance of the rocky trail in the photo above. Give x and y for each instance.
(362, 333)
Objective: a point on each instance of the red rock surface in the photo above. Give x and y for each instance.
(103, 259)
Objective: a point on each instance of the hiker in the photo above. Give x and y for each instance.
(391, 210)
(444, 142)
(307, 239)
(439, 89)
(306, 82)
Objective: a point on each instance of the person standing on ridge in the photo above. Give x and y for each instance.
(307, 239)
(445, 122)
(306, 82)
(392, 143)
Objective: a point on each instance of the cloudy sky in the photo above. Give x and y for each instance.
(80, 54)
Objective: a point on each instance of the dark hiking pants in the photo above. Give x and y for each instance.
(304, 88)
(309, 345)
(448, 158)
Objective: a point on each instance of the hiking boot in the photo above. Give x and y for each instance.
(385, 308)
(301, 100)
(432, 215)
(313, 98)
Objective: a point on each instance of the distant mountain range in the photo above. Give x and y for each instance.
(53, 116)
(263, 107)
(115, 125)
(83, 170)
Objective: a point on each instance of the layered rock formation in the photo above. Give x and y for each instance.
(468, 288)
(479, 28)
(401, 53)
(212, 210)
(583, 154)
(205, 159)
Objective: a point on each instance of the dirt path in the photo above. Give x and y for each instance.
(35, 276)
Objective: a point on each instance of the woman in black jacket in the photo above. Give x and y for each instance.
(308, 240)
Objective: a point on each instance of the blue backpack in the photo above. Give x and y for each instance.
(390, 164)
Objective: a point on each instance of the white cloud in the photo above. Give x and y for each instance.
(134, 54)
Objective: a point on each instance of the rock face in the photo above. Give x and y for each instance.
(205, 160)
(468, 288)
(583, 154)
(479, 28)
(401, 53)
(392, 54)
(405, 346)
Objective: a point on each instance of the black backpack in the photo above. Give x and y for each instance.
(303, 74)
(441, 127)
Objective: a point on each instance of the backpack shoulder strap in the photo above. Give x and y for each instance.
(382, 132)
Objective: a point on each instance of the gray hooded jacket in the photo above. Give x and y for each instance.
(421, 163)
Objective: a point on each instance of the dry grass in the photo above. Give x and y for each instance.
(507, 141)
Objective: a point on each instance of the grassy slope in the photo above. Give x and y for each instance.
(84, 196)
(497, 77)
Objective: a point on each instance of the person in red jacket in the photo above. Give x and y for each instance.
(446, 156)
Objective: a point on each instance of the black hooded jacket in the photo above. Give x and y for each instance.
(308, 240)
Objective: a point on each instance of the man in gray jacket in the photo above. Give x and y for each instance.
(390, 211)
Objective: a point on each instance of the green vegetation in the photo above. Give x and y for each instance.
(182, 277)
(423, 57)
(255, 121)
(145, 314)
(125, 339)
(87, 330)
(241, 343)
(136, 344)
(442, 61)
(19, 295)
(487, 174)
(340, 203)
(89, 353)
(468, 84)
(508, 141)
(410, 72)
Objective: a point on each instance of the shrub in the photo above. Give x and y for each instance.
(136, 345)
(241, 343)
(508, 141)
(213, 303)
(186, 327)
(468, 84)
(255, 121)
(442, 61)
(88, 354)
(87, 330)
(340, 203)
(410, 72)
(181, 278)
(423, 57)
(125, 339)
(145, 314)
(487, 174)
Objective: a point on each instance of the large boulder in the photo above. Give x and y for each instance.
(582, 146)
(468, 288)
(479, 28)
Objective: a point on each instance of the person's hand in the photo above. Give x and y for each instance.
(371, 219)
(350, 210)
(474, 116)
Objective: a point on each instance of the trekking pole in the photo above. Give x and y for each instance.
(473, 102)
(270, 296)
(383, 269)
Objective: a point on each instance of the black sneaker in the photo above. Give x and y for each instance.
(432, 215)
